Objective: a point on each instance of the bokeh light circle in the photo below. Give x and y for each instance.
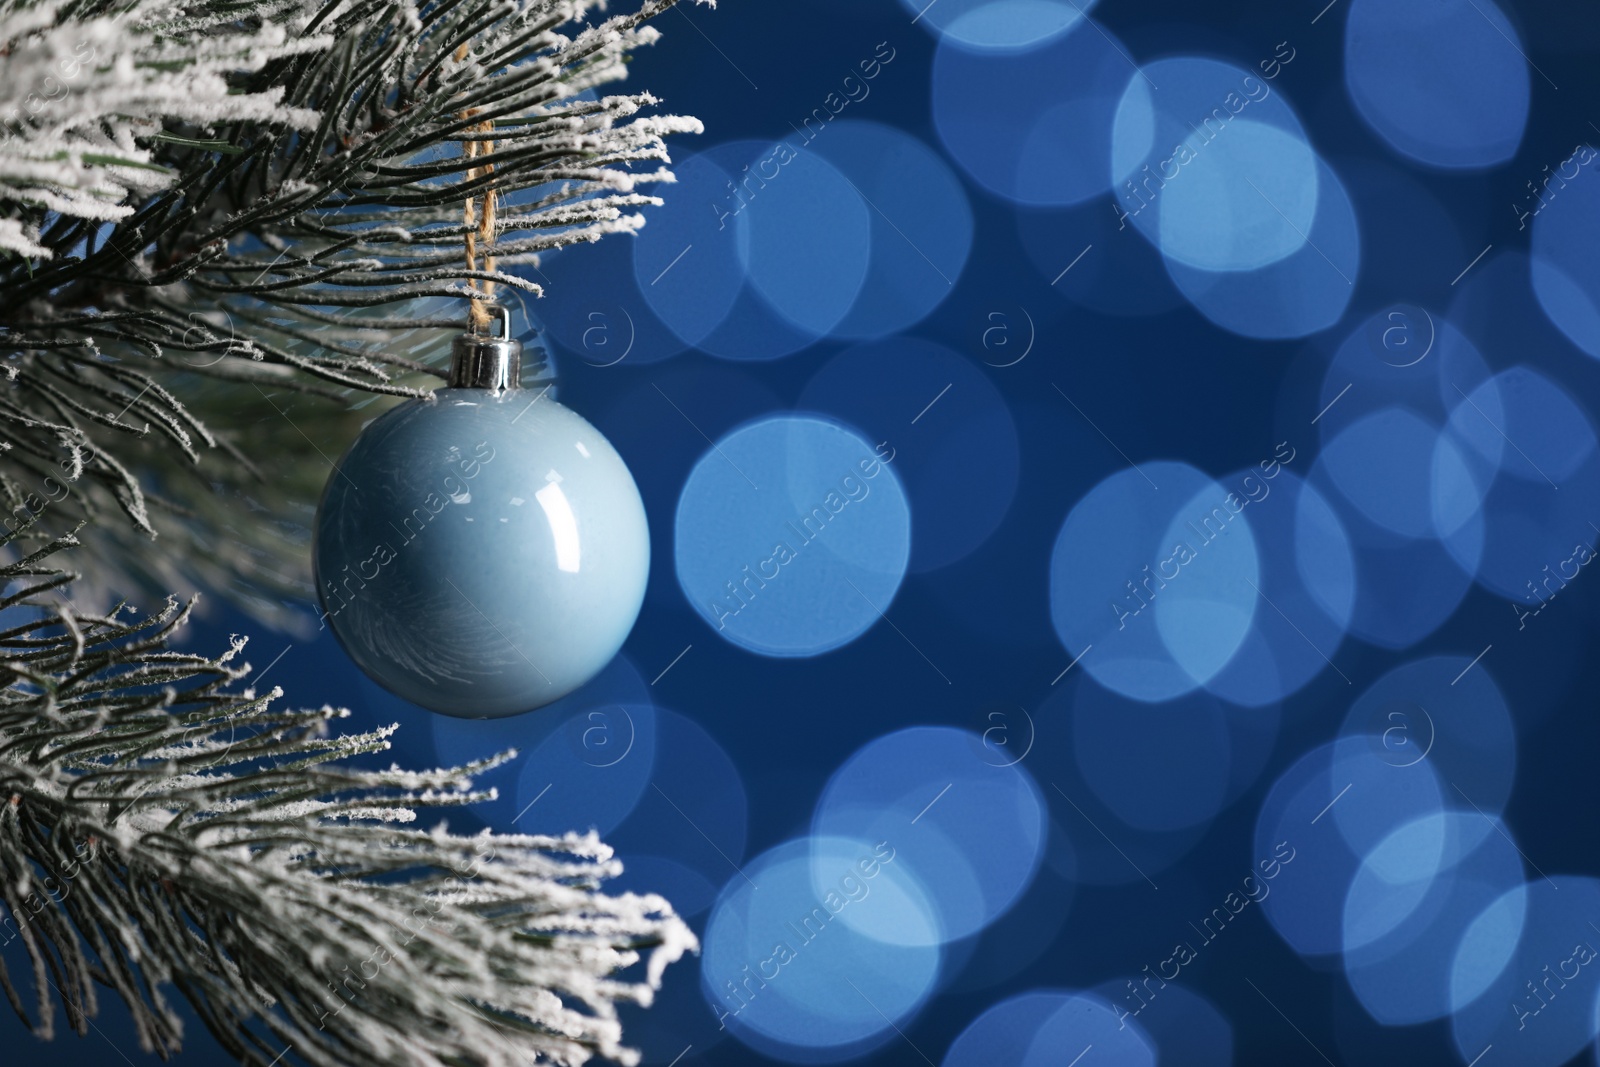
(1301, 294)
(803, 233)
(1384, 465)
(775, 947)
(1236, 191)
(1318, 822)
(1412, 901)
(695, 301)
(1186, 1029)
(763, 248)
(1402, 357)
(1566, 225)
(1526, 425)
(1005, 26)
(792, 535)
(1533, 956)
(1528, 466)
(1445, 84)
(969, 831)
(1408, 586)
(590, 773)
(1165, 537)
(1220, 220)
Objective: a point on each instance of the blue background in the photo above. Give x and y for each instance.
(970, 632)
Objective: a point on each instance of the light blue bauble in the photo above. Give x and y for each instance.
(481, 555)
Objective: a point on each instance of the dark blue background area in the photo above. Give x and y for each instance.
(1167, 385)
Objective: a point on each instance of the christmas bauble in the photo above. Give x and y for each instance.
(483, 552)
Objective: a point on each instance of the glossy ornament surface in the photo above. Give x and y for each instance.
(482, 553)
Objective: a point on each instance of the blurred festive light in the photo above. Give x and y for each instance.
(1298, 295)
(1535, 540)
(1496, 303)
(921, 225)
(1403, 356)
(971, 832)
(1044, 1027)
(1410, 904)
(950, 428)
(1218, 219)
(1487, 947)
(1384, 464)
(1410, 456)
(1236, 192)
(1328, 811)
(792, 535)
(1445, 84)
(1036, 127)
(1398, 872)
(1001, 25)
(765, 248)
(797, 918)
(1532, 953)
(1086, 1020)
(1566, 223)
(1308, 582)
(1525, 440)
(802, 230)
(1408, 586)
(1386, 794)
(1005, 1032)
(1522, 423)
(1162, 536)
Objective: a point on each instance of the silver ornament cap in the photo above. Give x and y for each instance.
(497, 363)
(484, 361)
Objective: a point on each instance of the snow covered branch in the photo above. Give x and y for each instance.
(163, 829)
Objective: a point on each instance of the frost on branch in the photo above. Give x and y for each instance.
(85, 99)
(162, 832)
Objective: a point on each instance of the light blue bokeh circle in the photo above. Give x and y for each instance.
(792, 535)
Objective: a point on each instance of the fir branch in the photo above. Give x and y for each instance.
(162, 828)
